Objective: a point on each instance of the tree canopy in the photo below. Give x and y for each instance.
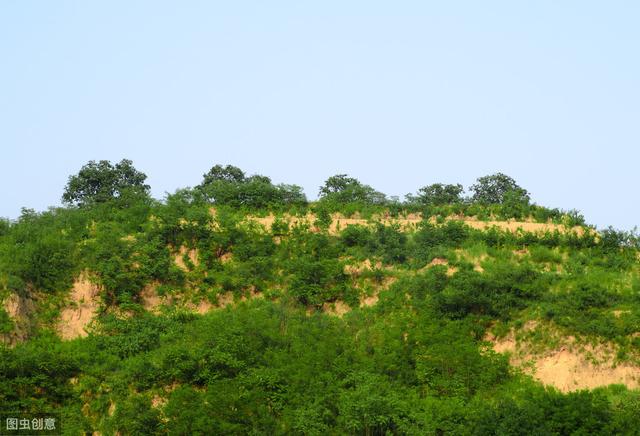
(227, 173)
(344, 189)
(99, 182)
(438, 194)
(496, 189)
(230, 186)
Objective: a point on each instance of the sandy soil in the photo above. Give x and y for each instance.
(225, 299)
(157, 401)
(369, 300)
(179, 260)
(526, 226)
(360, 267)
(84, 304)
(570, 366)
(20, 310)
(253, 294)
(151, 301)
(451, 270)
(337, 308)
(412, 221)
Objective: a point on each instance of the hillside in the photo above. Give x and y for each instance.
(213, 314)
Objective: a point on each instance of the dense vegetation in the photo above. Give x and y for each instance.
(414, 363)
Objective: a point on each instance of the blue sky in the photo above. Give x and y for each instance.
(397, 94)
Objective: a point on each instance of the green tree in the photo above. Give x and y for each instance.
(227, 173)
(5, 226)
(39, 251)
(438, 194)
(344, 189)
(291, 194)
(230, 186)
(515, 205)
(612, 240)
(494, 189)
(99, 182)
(369, 405)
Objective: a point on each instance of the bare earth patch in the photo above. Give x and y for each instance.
(85, 302)
(526, 226)
(369, 300)
(158, 402)
(569, 370)
(150, 299)
(451, 270)
(568, 367)
(411, 222)
(225, 299)
(476, 261)
(20, 310)
(337, 308)
(179, 257)
(619, 313)
(253, 294)
(340, 222)
(358, 268)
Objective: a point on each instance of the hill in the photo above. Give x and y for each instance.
(238, 307)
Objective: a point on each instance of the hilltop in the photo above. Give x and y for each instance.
(240, 307)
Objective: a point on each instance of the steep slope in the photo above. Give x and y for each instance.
(191, 320)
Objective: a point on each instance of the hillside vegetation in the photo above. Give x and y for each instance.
(238, 307)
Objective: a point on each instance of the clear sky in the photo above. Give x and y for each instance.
(398, 94)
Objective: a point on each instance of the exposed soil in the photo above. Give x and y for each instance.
(411, 221)
(84, 304)
(451, 270)
(150, 299)
(570, 366)
(337, 308)
(225, 299)
(369, 300)
(20, 310)
(179, 257)
(358, 268)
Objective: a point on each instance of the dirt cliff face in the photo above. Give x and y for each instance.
(20, 310)
(82, 306)
(569, 365)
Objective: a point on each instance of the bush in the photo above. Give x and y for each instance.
(543, 254)
(500, 290)
(135, 415)
(355, 236)
(389, 242)
(430, 237)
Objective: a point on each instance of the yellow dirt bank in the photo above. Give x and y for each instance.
(411, 222)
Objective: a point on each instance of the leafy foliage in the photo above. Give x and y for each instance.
(342, 189)
(438, 194)
(229, 186)
(98, 182)
(498, 189)
(414, 363)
